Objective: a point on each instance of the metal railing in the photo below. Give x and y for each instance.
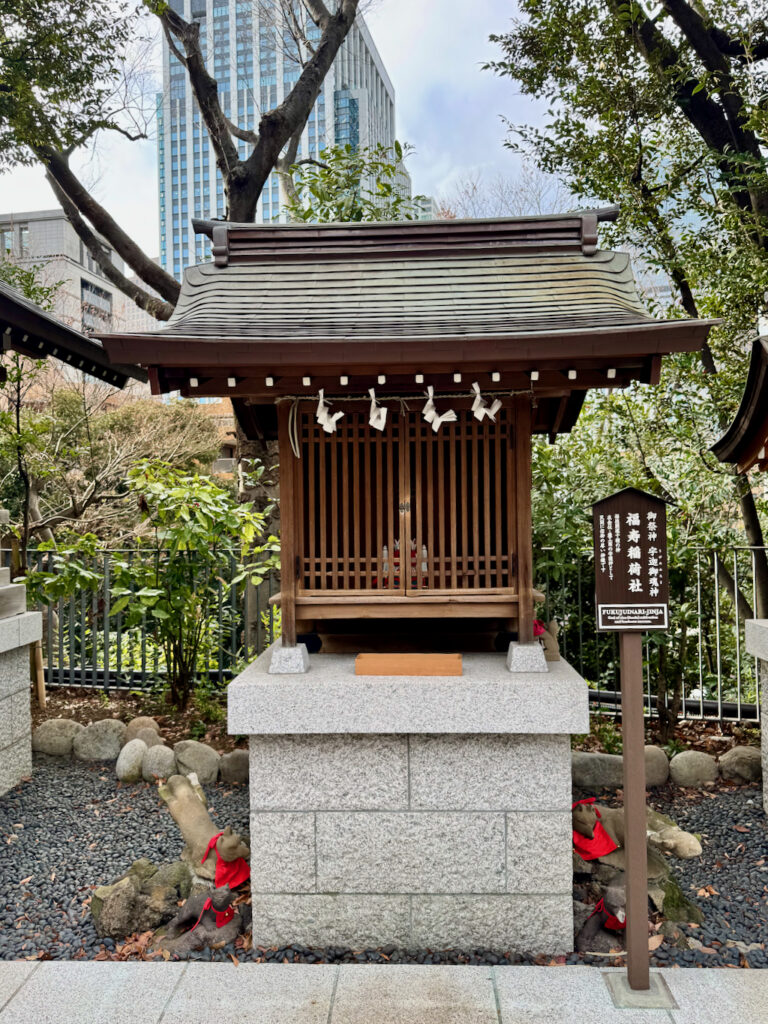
(86, 645)
(718, 679)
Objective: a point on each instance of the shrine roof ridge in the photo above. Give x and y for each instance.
(471, 294)
(233, 242)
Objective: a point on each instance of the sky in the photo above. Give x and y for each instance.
(446, 106)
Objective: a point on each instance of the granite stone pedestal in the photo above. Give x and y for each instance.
(756, 642)
(418, 812)
(17, 632)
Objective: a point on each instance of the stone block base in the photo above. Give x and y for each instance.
(16, 633)
(503, 922)
(426, 812)
(526, 657)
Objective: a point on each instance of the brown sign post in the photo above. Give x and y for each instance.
(632, 595)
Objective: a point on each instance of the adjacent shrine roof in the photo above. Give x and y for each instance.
(31, 331)
(745, 443)
(520, 299)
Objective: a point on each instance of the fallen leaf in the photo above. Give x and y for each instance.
(655, 941)
(25, 880)
(741, 828)
(234, 959)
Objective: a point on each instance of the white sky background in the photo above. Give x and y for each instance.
(447, 107)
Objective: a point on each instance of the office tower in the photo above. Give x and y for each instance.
(253, 57)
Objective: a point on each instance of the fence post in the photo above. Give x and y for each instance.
(107, 604)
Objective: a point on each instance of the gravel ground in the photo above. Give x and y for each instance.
(70, 828)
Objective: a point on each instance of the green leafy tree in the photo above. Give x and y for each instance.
(72, 69)
(663, 113)
(179, 570)
(350, 184)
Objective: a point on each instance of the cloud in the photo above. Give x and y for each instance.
(122, 175)
(447, 106)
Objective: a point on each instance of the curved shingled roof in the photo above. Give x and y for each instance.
(474, 293)
(745, 442)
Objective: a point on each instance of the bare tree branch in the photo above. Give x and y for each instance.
(153, 305)
(58, 168)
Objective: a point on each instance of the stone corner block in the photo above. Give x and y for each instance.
(30, 628)
(361, 922)
(328, 773)
(756, 638)
(15, 763)
(289, 660)
(526, 657)
(527, 871)
(490, 772)
(519, 923)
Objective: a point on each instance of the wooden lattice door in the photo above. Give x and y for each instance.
(404, 511)
(349, 491)
(457, 506)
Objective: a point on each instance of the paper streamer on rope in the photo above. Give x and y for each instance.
(431, 415)
(378, 414)
(327, 420)
(480, 406)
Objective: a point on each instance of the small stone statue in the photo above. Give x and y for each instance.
(549, 641)
(206, 919)
(662, 833)
(602, 931)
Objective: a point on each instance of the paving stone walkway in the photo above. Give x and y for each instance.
(61, 992)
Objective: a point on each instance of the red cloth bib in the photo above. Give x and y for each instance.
(611, 923)
(599, 845)
(222, 916)
(228, 872)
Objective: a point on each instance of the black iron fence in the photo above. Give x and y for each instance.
(702, 656)
(85, 644)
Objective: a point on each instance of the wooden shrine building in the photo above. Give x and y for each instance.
(508, 321)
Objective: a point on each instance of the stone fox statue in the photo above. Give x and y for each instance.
(205, 910)
(662, 832)
(206, 919)
(602, 931)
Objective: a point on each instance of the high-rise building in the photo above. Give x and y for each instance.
(253, 57)
(45, 239)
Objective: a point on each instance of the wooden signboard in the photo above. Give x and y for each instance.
(632, 594)
(631, 586)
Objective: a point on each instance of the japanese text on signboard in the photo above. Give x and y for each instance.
(630, 561)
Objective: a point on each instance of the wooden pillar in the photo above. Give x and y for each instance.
(633, 736)
(523, 532)
(288, 526)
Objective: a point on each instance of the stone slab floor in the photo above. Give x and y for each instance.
(66, 992)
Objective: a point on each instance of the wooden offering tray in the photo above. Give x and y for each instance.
(408, 665)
